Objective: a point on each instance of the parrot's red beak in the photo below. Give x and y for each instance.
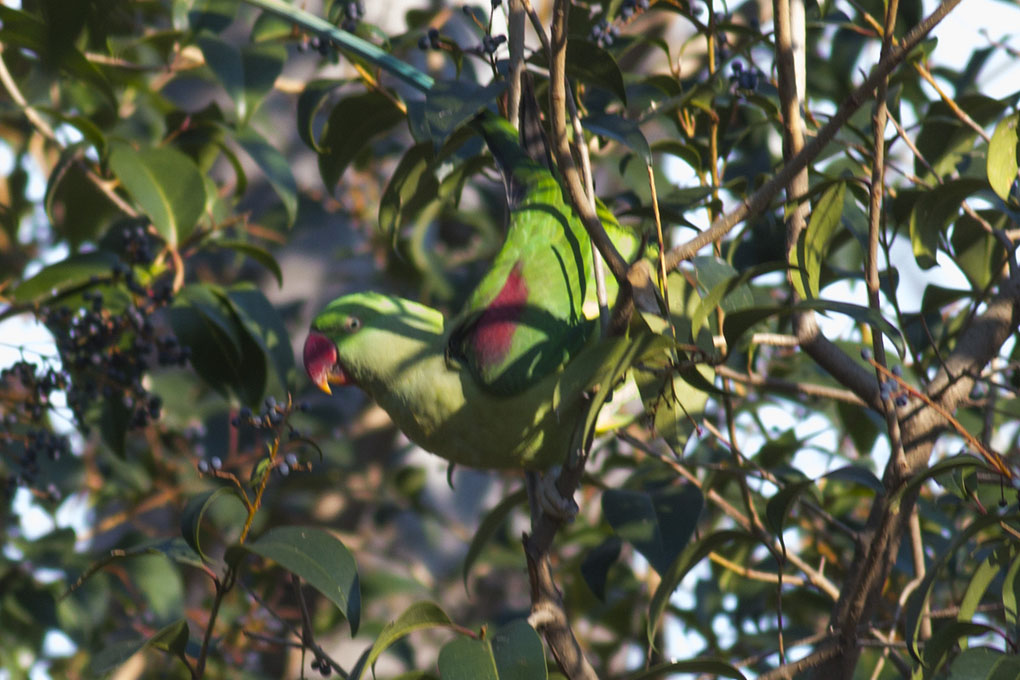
(321, 362)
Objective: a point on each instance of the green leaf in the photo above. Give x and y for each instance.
(778, 507)
(352, 123)
(172, 638)
(212, 15)
(518, 652)
(589, 63)
(1003, 152)
(621, 130)
(974, 663)
(738, 322)
(701, 667)
(263, 64)
(596, 564)
(915, 604)
(491, 523)
(418, 616)
(448, 106)
(74, 271)
(260, 255)
(194, 511)
(274, 166)
(410, 188)
(809, 255)
(989, 568)
(856, 474)
(19, 29)
(205, 322)
(934, 211)
(658, 524)
(316, 556)
(254, 312)
(1011, 592)
(165, 183)
(946, 638)
(691, 555)
(309, 103)
(464, 658)
(224, 60)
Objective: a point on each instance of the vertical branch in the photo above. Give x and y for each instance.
(515, 39)
(561, 147)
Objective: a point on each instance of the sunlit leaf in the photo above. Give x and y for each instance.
(318, 557)
(165, 183)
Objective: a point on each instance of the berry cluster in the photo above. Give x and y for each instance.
(605, 32)
(270, 419)
(745, 79)
(25, 398)
(487, 48)
(889, 389)
(323, 666)
(108, 352)
(353, 13)
(430, 41)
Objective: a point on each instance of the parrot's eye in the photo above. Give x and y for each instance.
(352, 323)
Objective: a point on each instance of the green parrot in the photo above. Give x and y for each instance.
(497, 385)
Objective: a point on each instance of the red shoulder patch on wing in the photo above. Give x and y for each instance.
(494, 329)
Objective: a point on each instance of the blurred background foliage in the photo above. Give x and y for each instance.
(188, 181)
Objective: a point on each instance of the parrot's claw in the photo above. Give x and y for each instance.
(552, 502)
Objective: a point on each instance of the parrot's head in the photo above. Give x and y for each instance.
(362, 336)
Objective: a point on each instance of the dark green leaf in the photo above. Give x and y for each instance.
(165, 183)
(20, 29)
(316, 556)
(76, 270)
(915, 604)
(518, 652)
(596, 564)
(410, 188)
(658, 524)
(448, 106)
(258, 315)
(934, 211)
(260, 255)
(352, 123)
(1011, 592)
(274, 166)
(212, 15)
(589, 63)
(946, 638)
(172, 638)
(309, 103)
(194, 511)
(620, 130)
(464, 658)
(491, 523)
(419, 616)
(224, 60)
(691, 555)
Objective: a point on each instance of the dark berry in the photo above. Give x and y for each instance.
(866, 354)
(217, 464)
(897, 370)
(203, 466)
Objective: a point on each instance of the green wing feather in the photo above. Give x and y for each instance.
(526, 317)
